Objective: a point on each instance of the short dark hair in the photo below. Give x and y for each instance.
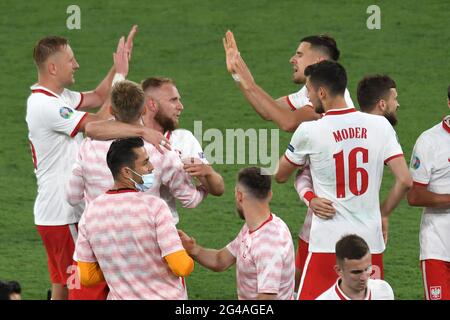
(255, 182)
(155, 82)
(373, 88)
(127, 101)
(5, 291)
(351, 247)
(329, 74)
(121, 154)
(46, 47)
(448, 92)
(14, 287)
(324, 43)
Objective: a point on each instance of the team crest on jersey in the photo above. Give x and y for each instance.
(65, 112)
(201, 155)
(415, 163)
(290, 148)
(435, 293)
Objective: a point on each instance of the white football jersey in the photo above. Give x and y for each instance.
(430, 166)
(347, 150)
(186, 145)
(53, 124)
(376, 290)
(300, 98)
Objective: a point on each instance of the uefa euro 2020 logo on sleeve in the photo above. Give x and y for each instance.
(415, 163)
(65, 112)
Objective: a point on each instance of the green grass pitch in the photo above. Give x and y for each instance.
(182, 39)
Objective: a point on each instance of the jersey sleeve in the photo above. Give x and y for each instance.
(61, 117)
(179, 182)
(298, 99)
(299, 146)
(83, 249)
(74, 99)
(392, 148)
(420, 165)
(269, 265)
(304, 184)
(192, 148)
(76, 186)
(166, 233)
(233, 246)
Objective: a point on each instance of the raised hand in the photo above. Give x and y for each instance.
(235, 64)
(129, 42)
(120, 58)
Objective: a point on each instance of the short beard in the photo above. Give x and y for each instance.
(165, 122)
(319, 109)
(391, 118)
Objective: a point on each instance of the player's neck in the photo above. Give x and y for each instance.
(50, 84)
(337, 102)
(256, 213)
(352, 294)
(150, 122)
(123, 184)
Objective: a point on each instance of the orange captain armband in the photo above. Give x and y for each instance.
(180, 263)
(90, 273)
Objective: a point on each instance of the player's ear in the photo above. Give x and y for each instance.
(111, 111)
(151, 105)
(382, 104)
(51, 68)
(337, 269)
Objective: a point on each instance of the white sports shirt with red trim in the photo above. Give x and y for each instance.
(129, 233)
(430, 167)
(264, 260)
(376, 290)
(300, 99)
(347, 150)
(53, 124)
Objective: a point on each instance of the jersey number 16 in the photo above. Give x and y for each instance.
(353, 172)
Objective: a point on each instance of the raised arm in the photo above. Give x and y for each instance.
(262, 102)
(98, 96)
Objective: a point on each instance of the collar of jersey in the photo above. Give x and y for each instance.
(262, 224)
(121, 190)
(342, 295)
(446, 124)
(339, 111)
(40, 89)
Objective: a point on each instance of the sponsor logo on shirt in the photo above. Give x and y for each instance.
(435, 293)
(65, 112)
(290, 148)
(415, 163)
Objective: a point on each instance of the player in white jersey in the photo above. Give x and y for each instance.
(91, 176)
(354, 267)
(290, 111)
(263, 250)
(54, 120)
(164, 109)
(128, 237)
(377, 95)
(346, 150)
(430, 169)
